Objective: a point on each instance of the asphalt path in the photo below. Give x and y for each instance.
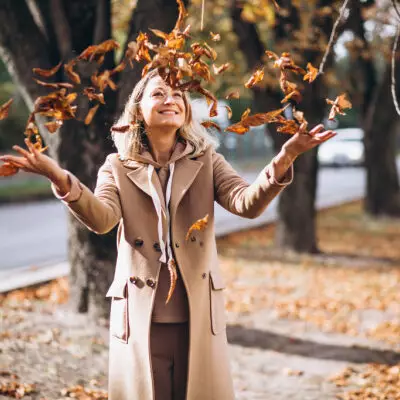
(35, 234)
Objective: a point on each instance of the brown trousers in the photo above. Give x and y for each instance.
(169, 343)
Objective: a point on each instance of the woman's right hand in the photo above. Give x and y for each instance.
(38, 163)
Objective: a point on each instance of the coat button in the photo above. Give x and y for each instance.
(176, 244)
(193, 238)
(138, 242)
(157, 247)
(204, 275)
(151, 283)
(133, 279)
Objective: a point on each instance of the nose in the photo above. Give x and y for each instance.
(169, 99)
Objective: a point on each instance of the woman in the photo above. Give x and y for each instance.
(165, 176)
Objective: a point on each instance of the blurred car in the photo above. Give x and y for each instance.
(344, 150)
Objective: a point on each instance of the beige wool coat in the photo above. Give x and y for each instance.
(122, 196)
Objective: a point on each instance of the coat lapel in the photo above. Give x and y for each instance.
(139, 177)
(185, 173)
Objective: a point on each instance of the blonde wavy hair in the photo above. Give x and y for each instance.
(133, 141)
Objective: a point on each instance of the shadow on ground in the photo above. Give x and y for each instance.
(255, 338)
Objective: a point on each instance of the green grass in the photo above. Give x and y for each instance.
(24, 190)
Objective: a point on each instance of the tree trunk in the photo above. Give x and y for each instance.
(39, 36)
(296, 225)
(383, 195)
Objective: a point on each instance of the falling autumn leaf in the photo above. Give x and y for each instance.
(58, 85)
(53, 126)
(338, 105)
(199, 225)
(8, 169)
(173, 275)
(215, 37)
(211, 124)
(91, 95)
(5, 108)
(256, 78)
(229, 111)
(222, 68)
(121, 129)
(233, 95)
(69, 70)
(90, 114)
(311, 74)
(46, 73)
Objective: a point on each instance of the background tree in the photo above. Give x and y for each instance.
(40, 34)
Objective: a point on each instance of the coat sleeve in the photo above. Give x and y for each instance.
(241, 198)
(99, 211)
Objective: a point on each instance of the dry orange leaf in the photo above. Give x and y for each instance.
(222, 68)
(229, 111)
(199, 225)
(5, 108)
(338, 105)
(211, 124)
(257, 77)
(69, 70)
(311, 74)
(98, 50)
(90, 114)
(8, 169)
(215, 37)
(233, 95)
(90, 93)
(295, 95)
(173, 275)
(46, 73)
(121, 129)
(53, 126)
(58, 85)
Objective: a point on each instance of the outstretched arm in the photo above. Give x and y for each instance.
(249, 201)
(99, 211)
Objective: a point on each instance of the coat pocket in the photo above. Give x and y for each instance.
(217, 302)
(119, 321)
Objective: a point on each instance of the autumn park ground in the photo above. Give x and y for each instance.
(300, 327)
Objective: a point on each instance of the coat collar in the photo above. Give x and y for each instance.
(186, 170)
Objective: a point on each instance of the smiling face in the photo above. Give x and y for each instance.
(162, 106)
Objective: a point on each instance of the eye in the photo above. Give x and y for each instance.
(178, 94)
(158, 94)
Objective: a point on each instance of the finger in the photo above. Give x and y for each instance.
(21, 150)
(13, 159)
(325, 135)
(31, 147)
(316, 129)
(303, 127)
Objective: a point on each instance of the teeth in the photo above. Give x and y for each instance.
(168, 112)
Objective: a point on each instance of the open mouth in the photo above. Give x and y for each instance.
(168, 112)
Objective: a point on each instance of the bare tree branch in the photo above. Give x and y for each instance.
(393, 85)
(332, 37)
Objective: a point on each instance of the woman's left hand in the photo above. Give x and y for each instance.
(301, 141)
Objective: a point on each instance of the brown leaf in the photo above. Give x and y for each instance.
(338, 105)
(229, 111)
(311, 74)
(53, 126)
(90, 114)
(5, 108)
(121, 129)
(199, 225)
(237, 128)
(182, 15)
(220, 69)
(98, 50)
(233, 95)
(257, 77)
(47, 72)
(54, 85)
(295, 96)
(90, 93)
(173, 274)
(69, 70)
(288, 126)
(211, 124)
(8, 169)
(215, 37)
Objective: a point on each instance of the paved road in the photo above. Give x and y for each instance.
(35, 234)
